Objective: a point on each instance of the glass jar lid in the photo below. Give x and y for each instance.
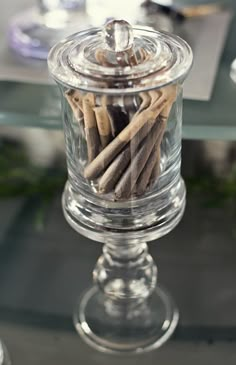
(117, 57)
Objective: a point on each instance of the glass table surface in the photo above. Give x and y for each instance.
(45, 265)
(23, 104)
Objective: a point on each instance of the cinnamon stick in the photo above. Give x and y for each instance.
(150, 171)
(132, 58)
(103, 124)
(91, 130)
(96, 167)
(74, 99)
(114, 171)
(149, 99)
(146, 100)
(128, 180)
(101, 58)
(126, 58)
(143, 55)
(156, 169)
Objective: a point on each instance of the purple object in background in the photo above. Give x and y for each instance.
(34, 31)
(47, 5)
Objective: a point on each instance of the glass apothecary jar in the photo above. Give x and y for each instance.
(121, 90)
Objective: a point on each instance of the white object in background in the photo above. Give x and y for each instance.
(100, 11)
(165, 2)
(207, 36)
(233, 70)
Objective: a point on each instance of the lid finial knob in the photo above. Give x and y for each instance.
(118, 36)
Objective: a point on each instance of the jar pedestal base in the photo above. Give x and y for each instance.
(130, 327)
(124, 312)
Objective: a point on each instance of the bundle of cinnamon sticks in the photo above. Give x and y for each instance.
(123, 146)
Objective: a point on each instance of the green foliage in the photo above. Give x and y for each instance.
(214, 191)
(20, 178)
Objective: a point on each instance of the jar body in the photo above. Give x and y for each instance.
(124, 157)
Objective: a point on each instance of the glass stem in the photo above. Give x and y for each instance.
(125, 271)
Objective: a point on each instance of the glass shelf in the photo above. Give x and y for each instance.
(32, 105)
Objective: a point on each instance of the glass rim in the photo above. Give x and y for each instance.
(90, 77)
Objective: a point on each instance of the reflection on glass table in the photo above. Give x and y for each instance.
(34, 31)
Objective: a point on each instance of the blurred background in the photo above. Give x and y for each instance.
(44, 264)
